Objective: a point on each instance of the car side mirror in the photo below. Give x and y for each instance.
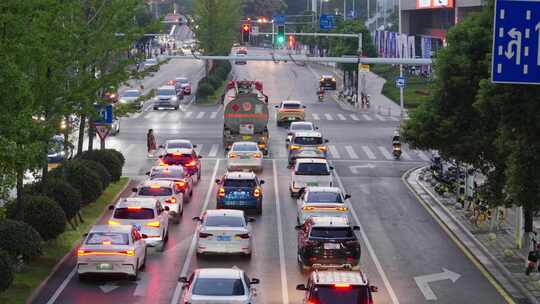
(304, 107)
(85, 234)
(144, 236)
(111, 207)
(316, 128)
(196, 218)
(161, 156)
(277, 107)
(167, 208)
(347, 196)
(326, 140)
(133, 189)
(183, 280)
(200, 157)
(290, 166)
(218, 181)
(287, 139)
(261, 182)
(161, 147)
(250, 219)
(298, 227)
(194, 146)
(331, 168)
(147, 173)
(373, 288)
(254, 281)
(356, 228)
(301, 287)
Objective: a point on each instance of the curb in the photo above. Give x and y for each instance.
(458, 225)
(40, 287)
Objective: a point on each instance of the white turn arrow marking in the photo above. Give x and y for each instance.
(108, 287)
(423, 281)
(355, 169)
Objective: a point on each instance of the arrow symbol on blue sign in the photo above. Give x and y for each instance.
(509, 53)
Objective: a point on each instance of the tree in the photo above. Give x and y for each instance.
(266, 8)
(218, 25)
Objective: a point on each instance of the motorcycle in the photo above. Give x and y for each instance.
(534, 255)
(320, 94)
(396, 151)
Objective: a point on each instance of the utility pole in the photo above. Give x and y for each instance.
(344, 10)
(401, 65)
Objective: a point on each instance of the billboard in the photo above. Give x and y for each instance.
(434, 3)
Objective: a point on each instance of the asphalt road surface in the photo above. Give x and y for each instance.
(399, 239)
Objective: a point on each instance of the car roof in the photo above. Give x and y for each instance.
(330, 221)
(132, 90)
(166, 87)
(292, 102)
(330, 277)
(311, 160)
(111, 228)
(219, 273)
(323, 189)
(308, 133)
(183, 141)
(327, 76)
(295, 123)
(240, 175)
(144, 202)
(244, 143)
(156, 169)
(225, 212)
(161, 183)
(181, 77)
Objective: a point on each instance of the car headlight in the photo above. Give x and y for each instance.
(174, 98)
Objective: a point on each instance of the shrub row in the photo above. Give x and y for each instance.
(217, 75)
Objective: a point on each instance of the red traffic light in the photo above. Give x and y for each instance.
(245, 27)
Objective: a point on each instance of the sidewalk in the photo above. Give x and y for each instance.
(495, 249)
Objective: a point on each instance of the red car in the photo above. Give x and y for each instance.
(182, 84)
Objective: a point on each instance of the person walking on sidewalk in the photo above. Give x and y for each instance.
(150, 142)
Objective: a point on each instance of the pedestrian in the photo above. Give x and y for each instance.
(151, 142)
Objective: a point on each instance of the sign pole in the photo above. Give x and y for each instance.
(401, 102)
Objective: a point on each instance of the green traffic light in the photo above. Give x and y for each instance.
(280, 39)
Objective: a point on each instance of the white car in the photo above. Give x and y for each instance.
(178, 145)
(166, 98)
(150, 62)
(297, 126)
(147, 215)
(321, 201)
(310, 172)
(218, 285)
(167, 192)
(177, 174)
(108, 249)
(240, 61)
(224, 231)
(245, 155)
(131, 96)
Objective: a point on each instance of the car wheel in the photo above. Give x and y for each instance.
(198, 176)
(136, 275)
(155, 108)
(301, 265)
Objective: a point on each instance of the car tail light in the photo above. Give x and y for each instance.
(106, 243)
(204, 235)
(322, 149)
(342, 208)
(232, 155)
(257, 192)
(155, 224)
(339, 285)
(134, 208)
(308, 208)
(155, 186)
(162, 163)
(221, 192)
(257, 155)
(242, 236)
(111, 222)
(191, 164)
(176, 153)
(312, 301)
(171, 200)
(295, 147)
(81, 252)
(181, 184)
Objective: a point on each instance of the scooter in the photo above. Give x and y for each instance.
(534, 255)
(396, 152)
(321, 96)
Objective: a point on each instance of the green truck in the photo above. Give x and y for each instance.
(245, 114)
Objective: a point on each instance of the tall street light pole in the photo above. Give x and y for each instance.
(401, 65)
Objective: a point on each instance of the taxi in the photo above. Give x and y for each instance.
(321, 201)
(167, 192)
(111, 249)
(289, 111)
(147, 215)
(307, 140)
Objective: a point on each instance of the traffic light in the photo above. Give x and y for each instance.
(280, 39)
(246, 28)
(291, 40)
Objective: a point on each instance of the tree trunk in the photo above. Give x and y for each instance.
(528, 219)
(81, 134)
(91, 133)
(19, 187)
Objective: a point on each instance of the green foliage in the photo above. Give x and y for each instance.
(6, 271)
(204, 89)
(19, 238)
(118, 155)
(104, 175)
(266, 8)
(214, 80)
(218, 25)
(44, 215)
(108, 159)
(84, 179)
(67, 197)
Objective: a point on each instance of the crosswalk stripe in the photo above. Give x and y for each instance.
(422, 155)
(200, 115)
(188, 114)
(160, 116)
(379, 117)
(328, 116)
(282, 151)
(135, 115)
(351, 152)
(354, 117)
(147, 114)
(405, 155)
(341, 117)
(213, 150)
(368, 152)
(199, 148)
(394, 118)
(385, 152)
(128, 149)
(366, 117)
(213, 115)
(333, 151)
(315, 116)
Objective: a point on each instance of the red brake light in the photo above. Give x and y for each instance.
(257, 192)
(221, 192)
(181, 184)
(122, 252)
(106, 242)
(337, 285)
(192, 163)
(172, 200)
(134, 208)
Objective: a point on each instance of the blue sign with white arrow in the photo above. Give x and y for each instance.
(516, 42)
(279, 19)
(400, 82)
(104, 114)
(327, 22)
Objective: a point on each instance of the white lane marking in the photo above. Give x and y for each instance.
(213, 115)
(315, 116)
(214, 150)
(282, 268)
(188, 114)
(333, 151)
(328, 116)
(200, 115)
(351, 152)
(282, 151)
(128, 149)
(366, 117)
(370, 249)
(368, 152)
(142, 285)
(385, 152)
(341, 117)
(62, 286)
(148, 114)
(179, 286)
(405, 155)
(160, 116)
(379, 117)
(422, 155)
(394, 118)
(199, 148)
(354, 117)
(135, 115)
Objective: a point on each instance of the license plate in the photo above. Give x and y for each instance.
(292, 118)
(312, 184)
(244, 157)
(246, 137)
(104, 266)
(224, 238)
(330, 246)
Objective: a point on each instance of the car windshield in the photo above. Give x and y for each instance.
(181, 80)
(151, 61)
(244, 148)
(155, 191)
(177, 159)
(218, 287)
(331, 232)
(323, 197)
(166, 92)
(239, 183)
(346, 294)
(112, 238)
(224, 221)
(167, 173)
(291, 106)
(312, 169)
(179, 145)
(301, 127)
(132, 94)
(308, 140)
(134, 213)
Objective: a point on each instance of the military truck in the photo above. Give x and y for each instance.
(245, 114)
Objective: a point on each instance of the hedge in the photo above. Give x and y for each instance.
(67, 197)
(104, 175)
(6, 270)
(84, 179)
(204, 89)
(19, 238)
(109, 160)
(44, 215)
(118, 154)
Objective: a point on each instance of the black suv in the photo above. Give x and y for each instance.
(337, 287)
(327, 241)
(327, 82)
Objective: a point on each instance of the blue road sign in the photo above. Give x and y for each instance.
(279, 19)
(516, 42)
(400, 82)
(327, 22)
(104, 114)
